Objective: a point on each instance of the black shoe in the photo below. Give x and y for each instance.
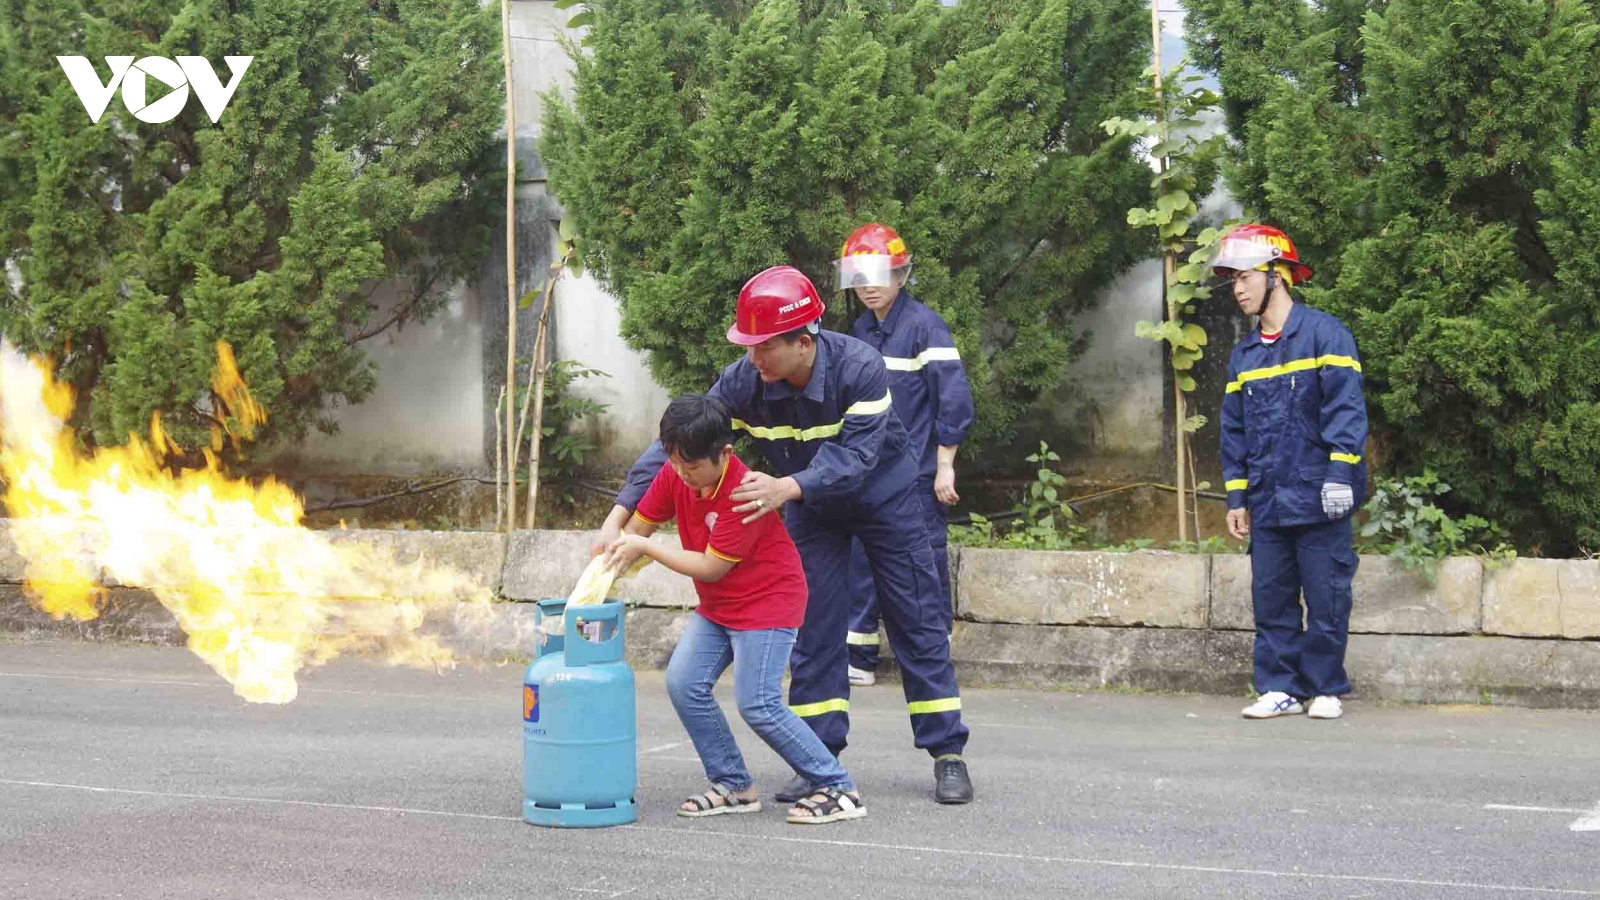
(951, 783)
(796, 790)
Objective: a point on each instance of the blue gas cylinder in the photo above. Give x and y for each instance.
(580, 761)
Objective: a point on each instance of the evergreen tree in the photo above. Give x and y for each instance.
(1436, 160)
(709, 140)
(359, 148)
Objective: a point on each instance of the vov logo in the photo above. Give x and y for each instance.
(187, 72)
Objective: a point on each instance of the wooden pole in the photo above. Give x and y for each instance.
(1168, 267)
(511, 269)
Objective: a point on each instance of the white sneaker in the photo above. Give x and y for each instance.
(1326, 708)
(862, 678)
(1273, 704)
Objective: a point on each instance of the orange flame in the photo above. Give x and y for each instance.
(259, 595)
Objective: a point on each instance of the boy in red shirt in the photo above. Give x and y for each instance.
(752, 600)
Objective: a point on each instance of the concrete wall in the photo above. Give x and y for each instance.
(588, 320)
(426, 414)
(1525, 633)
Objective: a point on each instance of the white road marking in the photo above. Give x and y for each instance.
(219, 684)
(858, 845)
(220, 798)
(662, 748)
(1540, 809)
(1126, 864)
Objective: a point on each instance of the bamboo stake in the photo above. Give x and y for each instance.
(511, 267)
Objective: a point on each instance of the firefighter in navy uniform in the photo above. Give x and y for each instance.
(818, 405)
(1294, 426)
(932, 398)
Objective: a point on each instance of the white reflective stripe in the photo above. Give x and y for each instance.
(870, 407)
(861, 640)
(915, 364)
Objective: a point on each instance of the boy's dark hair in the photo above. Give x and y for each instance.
(696, 426)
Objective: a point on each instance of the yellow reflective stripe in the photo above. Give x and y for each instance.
(923, 707)
(645, 519)
(870, 407)
(1298, 365)
(1233, 387)
(861, 640)
(914, 364)
(1237, 484)
(1350, 458)
(723, 557)
(806, 710)
(816, 432)
(778, 432)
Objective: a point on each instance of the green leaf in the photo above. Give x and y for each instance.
(1180, 293)
(580, 20)
(568, 229)
(575, 267)
(1185, 383)
(566, 4)
(1195, 335)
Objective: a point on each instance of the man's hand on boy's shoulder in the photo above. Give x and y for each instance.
(759, 493)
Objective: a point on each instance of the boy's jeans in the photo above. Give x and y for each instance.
(758, 658)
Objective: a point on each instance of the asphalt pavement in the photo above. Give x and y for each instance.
(135, 772)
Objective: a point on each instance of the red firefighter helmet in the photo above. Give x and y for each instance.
(776, 301)
(870, 256)
(1255, 247)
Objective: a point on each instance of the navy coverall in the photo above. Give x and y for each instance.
(934, 402)
(1293, 419)
(843, 443)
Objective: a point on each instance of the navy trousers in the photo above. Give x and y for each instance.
(863, 634)
(894, 539)
(1302, 653)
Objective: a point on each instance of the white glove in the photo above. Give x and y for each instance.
(1337, 500)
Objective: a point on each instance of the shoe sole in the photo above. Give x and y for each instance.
(839, 816)
(1274, 715)
(952, 801)
(1326, 716)
(752, 807)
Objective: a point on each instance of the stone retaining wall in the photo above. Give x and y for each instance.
(1525, 633)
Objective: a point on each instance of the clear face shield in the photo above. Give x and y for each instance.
(866, 270)
(1240, 254)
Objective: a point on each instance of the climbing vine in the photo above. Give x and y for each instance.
(1186, 160)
